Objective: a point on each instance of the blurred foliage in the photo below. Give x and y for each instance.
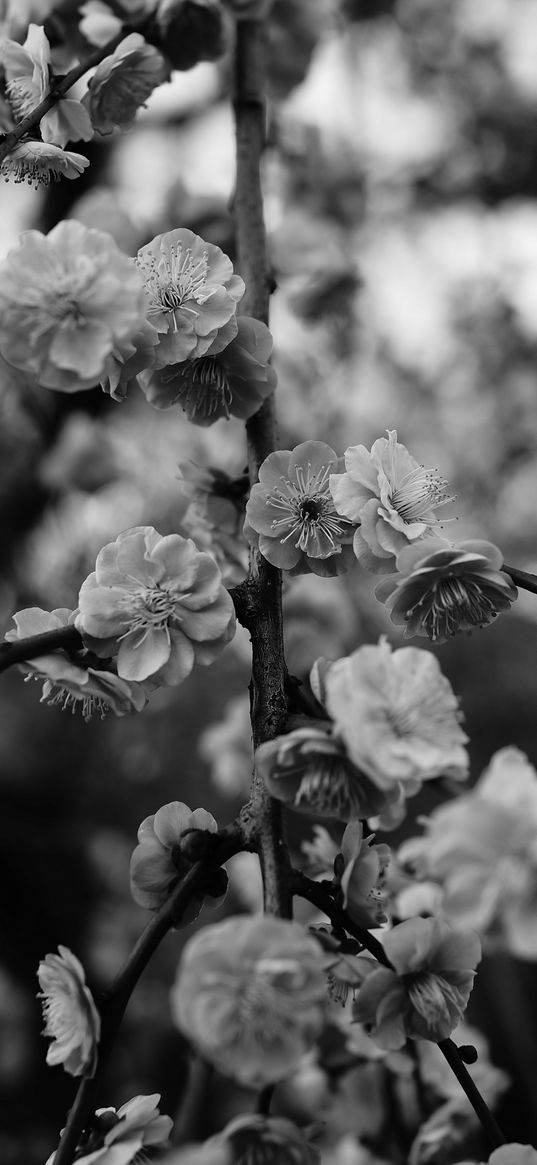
(401, 196)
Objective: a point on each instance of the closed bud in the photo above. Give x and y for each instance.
(191, 31)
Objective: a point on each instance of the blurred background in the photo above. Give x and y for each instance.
(401, 204)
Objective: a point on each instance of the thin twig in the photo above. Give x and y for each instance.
(481, 1109)
(521, 578)
(34, 646)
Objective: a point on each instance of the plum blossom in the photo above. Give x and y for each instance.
(290, 514)
(511, 1154)
(157, 605)
(119, 1137)
(233, 382)
(71, 1018)
(67, 299)
(157, 863)
(251, 994)
(442, 588)
(68, 683)
(425, 995)
(481, 851)
(123, 82)
(390, 497)
(193, 295)
(266, 1140)
(127, 360)
(27, 71)
(39, 164)
(362, 877)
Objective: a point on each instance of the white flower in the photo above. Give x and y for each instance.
(27, 70)
(71, 1019)
(38, 164)
(118, 1137)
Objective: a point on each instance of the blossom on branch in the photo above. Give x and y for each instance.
(67, 299)
(71, 1018)
(27, 72)
(233, 382)
(157, 605)
(391, 498)
(119, 1137)
(443, 588)
(425, 995)
(290, 514)
(158, 862)
(193, 295)
(362, 877)
(122, 83)
(73, 684)
(251, 994)
(39, 164)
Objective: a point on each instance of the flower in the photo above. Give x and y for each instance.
(390, 496)
(71, 1018)
(480, 849)
(193, 294)
(426, 993)
(192, 31)
(396, 714)
(117, 1137)
(38, 163)
(444, 587)
(66, 300)
(363, 876)
(511, 1154)
(232, 382)
(157, 863)
(251, 994)
(123, 82)
(290, 514)
(73, 684)
(263, 1140)
(310, 770)
(126, 361)
(157, 604)
(27, 70)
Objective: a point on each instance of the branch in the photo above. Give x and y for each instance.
(228, 841)
(320, 896)
(261, 611)
(521, 578)
(35, 645)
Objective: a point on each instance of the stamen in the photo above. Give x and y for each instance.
(204, 388)
(452, 602)
(418, 492)
(175, 279)
(309, 513)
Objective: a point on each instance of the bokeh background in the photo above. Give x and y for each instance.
(401, 204)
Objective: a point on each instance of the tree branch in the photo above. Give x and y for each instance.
(22, 650)
(521, 578)
(262, 610)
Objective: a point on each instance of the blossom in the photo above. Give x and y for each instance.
(38, 164)
(71, 1018)
(396, 714)
(362, 876)
(390, 496)
(192, 30)
(27, 71)
(123, 82)
(251, 994)
(265, 1140)
(444, 587)
(290, 514)
(117, 1137)
(511, 1154)
(193, 295)
(480, 849)
(157, 863)
(127, 360)
(68, 683)
(157, 604)
(66, 300)
(309, 769)
(426, 993)
(233, 382)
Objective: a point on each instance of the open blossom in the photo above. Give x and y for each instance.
(233, 382)
(72, 684)
(290, 514)
(66, 300)
(362, 876)
(425, 995)
(193, 295)
(396, 713)
(157, 605)
(27, 71)
(39, 164)
(442, 588)
(71, 1018)
(123, 82)
(157, 863)
(481, 849)
(119, 1137)
(264, 1140)
(390, 496)
(251, 994)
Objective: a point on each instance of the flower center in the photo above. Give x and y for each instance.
(328, 788)
(417, 493)
(152, 609)
(308, 512)
(204, 388)
(430, 995)
(56, 695)
(22, 96)
(176, 280)
(454, 602)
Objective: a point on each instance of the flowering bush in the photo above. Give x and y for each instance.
(71, 1017)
